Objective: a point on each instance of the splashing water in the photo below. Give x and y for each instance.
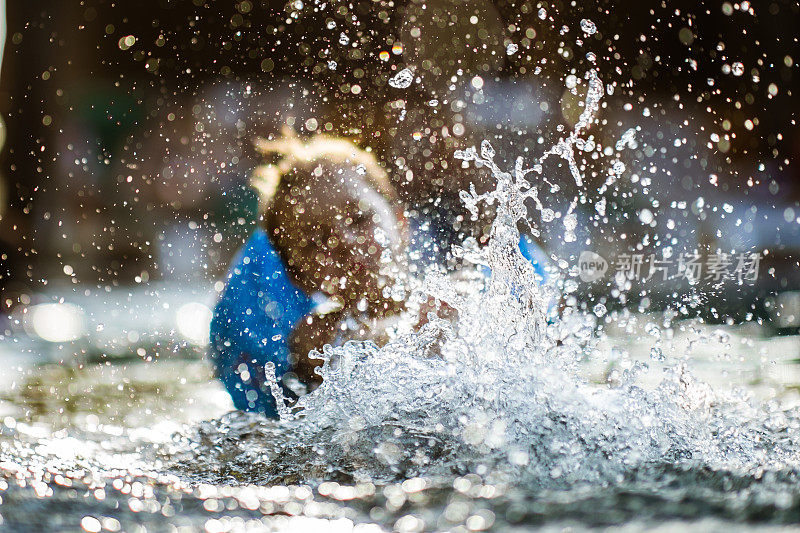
(497, 391)
(497, 416)
(471, 419)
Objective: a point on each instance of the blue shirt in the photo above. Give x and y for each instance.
(252, 323)
(531, 251)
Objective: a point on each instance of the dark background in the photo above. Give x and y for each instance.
(128, 162)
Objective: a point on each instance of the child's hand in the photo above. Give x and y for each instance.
(316, 330)
(438, 307)
(312, 333)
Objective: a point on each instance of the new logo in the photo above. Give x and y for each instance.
(591, 266)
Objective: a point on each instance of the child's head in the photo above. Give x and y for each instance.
(331, 213)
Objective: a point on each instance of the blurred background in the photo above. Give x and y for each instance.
(128, 128)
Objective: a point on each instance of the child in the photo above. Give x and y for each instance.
(332, 229)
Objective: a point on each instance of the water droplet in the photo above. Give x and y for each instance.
(627, 140)
(588, 27)
(571, 82)
(657, 354)
(402, 80)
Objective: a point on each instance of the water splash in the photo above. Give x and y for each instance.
(496, 391)
(565, 146)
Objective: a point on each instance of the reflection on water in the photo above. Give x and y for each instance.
(121, 395)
